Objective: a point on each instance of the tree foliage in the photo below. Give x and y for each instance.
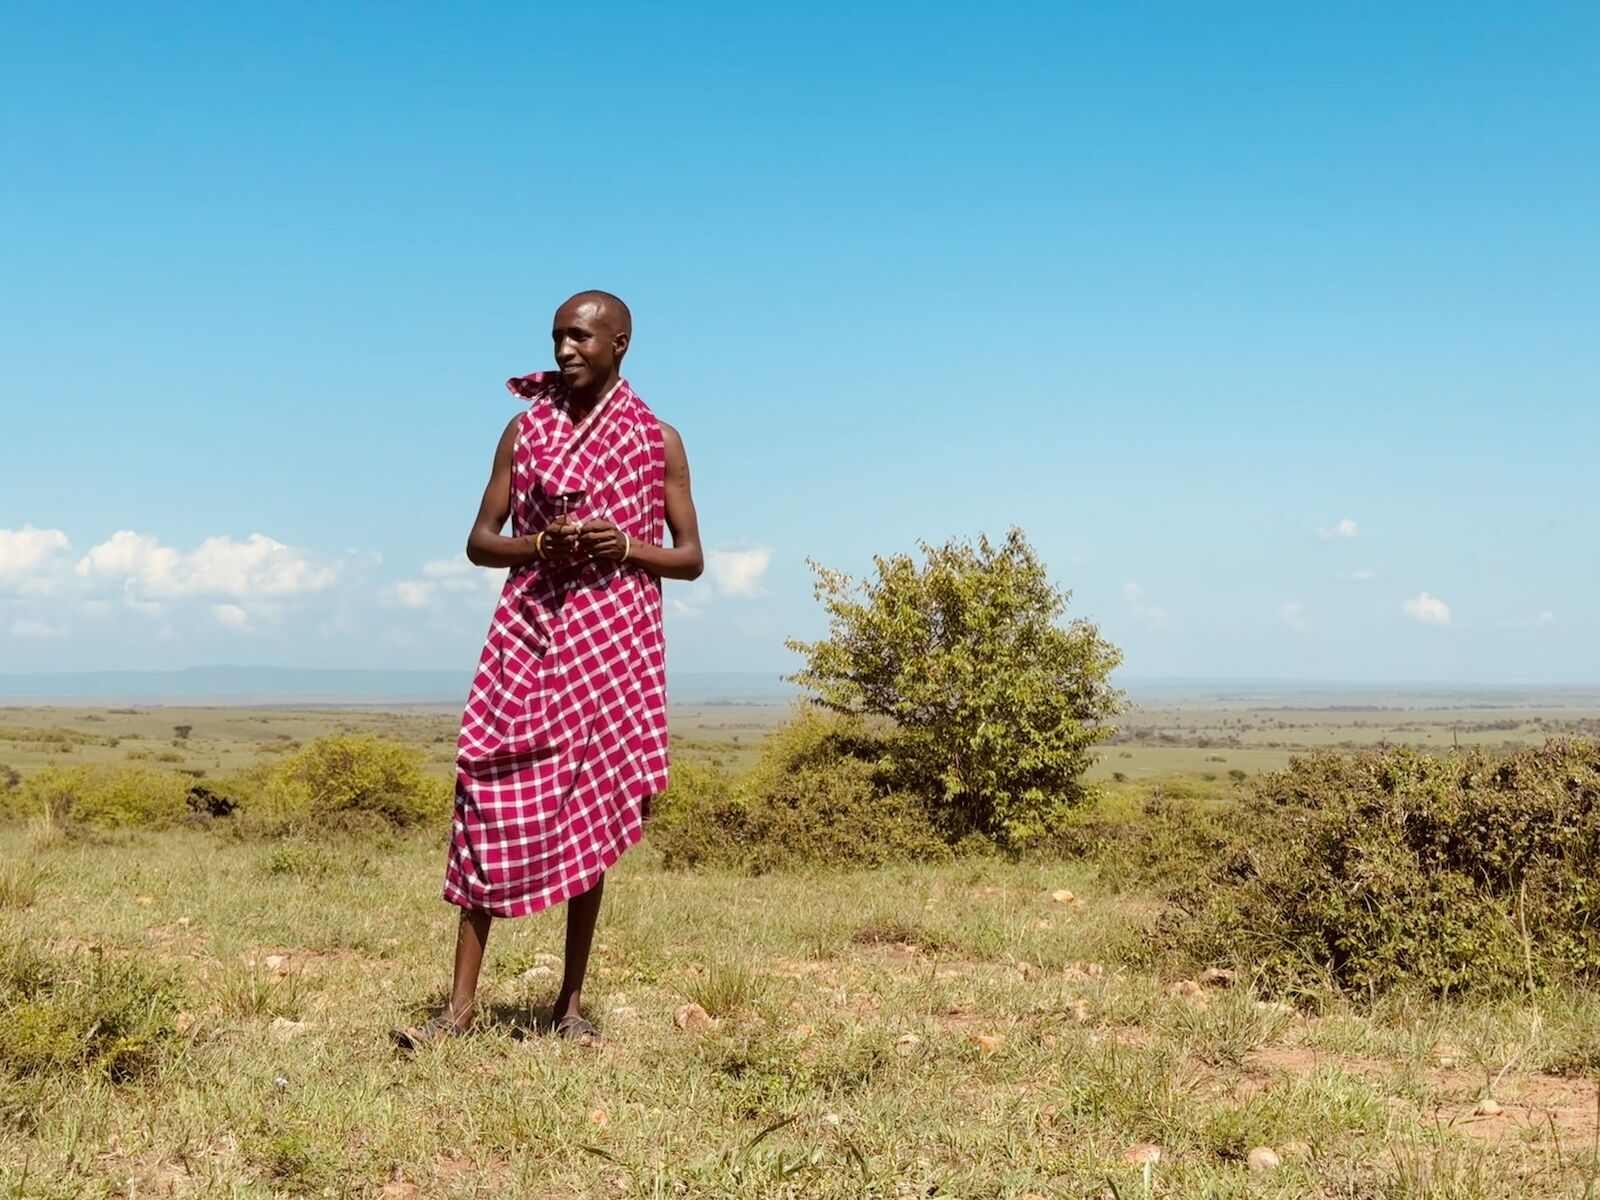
(996, 706)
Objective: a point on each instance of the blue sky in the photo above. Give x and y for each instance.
(1277, 328)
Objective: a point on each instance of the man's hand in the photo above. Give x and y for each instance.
(562, 540)
(602, 539)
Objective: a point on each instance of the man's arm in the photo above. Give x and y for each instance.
(684, 559)
(486, 545)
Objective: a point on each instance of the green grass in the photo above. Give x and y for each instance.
(879, 1034)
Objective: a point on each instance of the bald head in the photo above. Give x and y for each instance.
(591, 333)
(612, 308)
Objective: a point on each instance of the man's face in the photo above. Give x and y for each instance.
(588, 345)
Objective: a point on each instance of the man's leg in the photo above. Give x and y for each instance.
(582, 913)
(472, 934)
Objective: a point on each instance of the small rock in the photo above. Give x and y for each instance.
(832, 1119)
(1189, 992)
(1219, 977)
(1488, 1107)
(186, 921)
(1263, 1158)
(535, 973)
(283, 1028)
(906, 1043)
(988, 1043)
(1042, 923)
(144, 901)
(1445, 1055)
(1276, 1007)
(1062, 896)
(599, 1117)
(546, 960)
(691, 1018)
(183, 1022)
(1143, 1153)
(624, 1012)
(1029, 971)
(1080, 1011)
(399, 1189)
(280, 1083)
(275, 962)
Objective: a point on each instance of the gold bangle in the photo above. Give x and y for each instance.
(538, 545)
(627, 546)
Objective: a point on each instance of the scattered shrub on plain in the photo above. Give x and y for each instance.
(350, 783)
(1392, 869)
(1150, 838)
(82, 1011)
(821, 793)
(104, 797)
(996, 707)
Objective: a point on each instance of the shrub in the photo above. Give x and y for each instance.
(1150, 840)
(821, 792)
(82, 1011)
(997, 708)
(349, 782)
(1396, 868)
(107, 797)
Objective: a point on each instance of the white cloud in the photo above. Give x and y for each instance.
(444, 576)
(23, 550)
(31, 561)
(411, 593)
(219, 566)
(1428, 609)
(24, 628)
(1293, 614)
(1360, 573)
(231, 616)
(1546, 617)
(1346, 528)
(1152, 614)
(739, 572)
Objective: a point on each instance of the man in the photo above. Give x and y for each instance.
(564, 738)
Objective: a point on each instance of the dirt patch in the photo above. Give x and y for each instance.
(1535, 1109)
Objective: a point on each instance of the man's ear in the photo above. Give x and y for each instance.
(620, 343)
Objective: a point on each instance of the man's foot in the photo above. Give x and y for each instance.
(575, 1028)
(431, 1032)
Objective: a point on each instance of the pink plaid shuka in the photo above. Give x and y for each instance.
(564, 738)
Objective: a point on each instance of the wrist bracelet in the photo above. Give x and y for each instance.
(538, 545)
(627, 546)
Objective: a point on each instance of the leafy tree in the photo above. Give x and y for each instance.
(996, 706)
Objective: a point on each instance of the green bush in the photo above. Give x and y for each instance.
(106, 797)
(348, 782)
(82, 1011)
(1399, 869)
(821, 793)
(997, 707)
(1148, 837)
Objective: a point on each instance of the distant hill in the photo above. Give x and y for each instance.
(277, 685)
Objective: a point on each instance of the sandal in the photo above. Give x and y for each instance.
(430, 1033)
(576, 1029)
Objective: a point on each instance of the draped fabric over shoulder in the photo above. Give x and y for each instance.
(564, 738)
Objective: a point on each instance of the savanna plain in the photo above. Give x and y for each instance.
(987, 1026)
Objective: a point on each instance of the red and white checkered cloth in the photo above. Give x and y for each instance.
(564, 738)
